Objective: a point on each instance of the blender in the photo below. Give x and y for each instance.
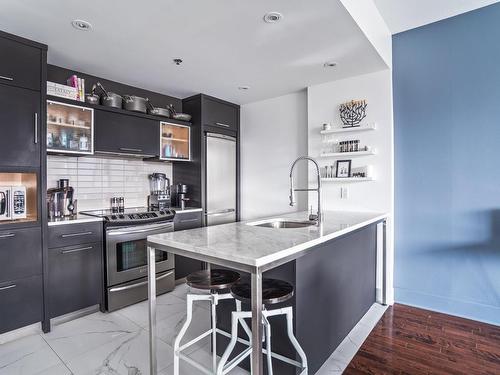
(159, 197)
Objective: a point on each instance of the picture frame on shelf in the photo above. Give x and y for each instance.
(343, 169)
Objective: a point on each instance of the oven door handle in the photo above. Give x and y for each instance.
(142, 283)
(149, 228)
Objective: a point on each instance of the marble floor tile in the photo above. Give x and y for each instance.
(166, 305)
(202, 356)
(125, 355)
(77, 337)
(60, 369)
(167, 329)
(27, 356)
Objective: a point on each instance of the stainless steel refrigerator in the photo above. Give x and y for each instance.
(220, 179)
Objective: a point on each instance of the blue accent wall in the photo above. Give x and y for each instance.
(446, 80)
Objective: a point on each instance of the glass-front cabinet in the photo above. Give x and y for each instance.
(70, 129)
(175, 142)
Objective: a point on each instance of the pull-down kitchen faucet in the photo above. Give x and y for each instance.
(318, 216)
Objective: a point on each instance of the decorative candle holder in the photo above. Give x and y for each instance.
(353, 112)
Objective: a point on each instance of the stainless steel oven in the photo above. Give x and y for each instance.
(126, 264)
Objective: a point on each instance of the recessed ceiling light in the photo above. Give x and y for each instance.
(177, 61)
(330, 64)
(81, 25)
(243, 88)
(273, 17)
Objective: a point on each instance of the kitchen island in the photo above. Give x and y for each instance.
(332, 267)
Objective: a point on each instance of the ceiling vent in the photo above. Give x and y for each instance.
(273, 17)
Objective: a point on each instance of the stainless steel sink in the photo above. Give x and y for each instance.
(283, 223)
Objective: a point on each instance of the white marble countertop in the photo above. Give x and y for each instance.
(77, 219)
(258, 246)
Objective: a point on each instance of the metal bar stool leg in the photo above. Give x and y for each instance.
(182, 332)
(267, 328)
(235, 317)
(289, 327)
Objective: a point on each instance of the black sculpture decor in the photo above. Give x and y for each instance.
(353, 112)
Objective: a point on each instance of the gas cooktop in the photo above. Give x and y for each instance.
(134, 215)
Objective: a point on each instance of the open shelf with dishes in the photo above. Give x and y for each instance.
(18, 197)
(175, 142)
(70, 129)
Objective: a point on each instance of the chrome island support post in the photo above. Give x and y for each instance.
(153, 369)
(256, 283)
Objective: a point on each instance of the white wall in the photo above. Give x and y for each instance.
(273, 135)
(323, 106)
(96, 180)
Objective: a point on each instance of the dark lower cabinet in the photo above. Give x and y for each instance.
(74, 234)
(183, 221)
(75, 278)
(20, 253)
(20, 303)
(20, 117)
(126, 134)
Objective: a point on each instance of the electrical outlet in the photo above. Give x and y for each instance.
(344, 194)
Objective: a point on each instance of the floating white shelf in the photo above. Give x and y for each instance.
(342, 154)
(348, 130)
(347, 179)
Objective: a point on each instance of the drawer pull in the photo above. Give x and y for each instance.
(8, 235)
(137, 285)
(36, 128)
(76, 250)
(6, 78)
(188, 220)
(222, 124)
(76, 234)
(8, 287)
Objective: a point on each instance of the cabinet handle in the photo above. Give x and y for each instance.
(222, 124)
(76, 250)
(76, 234)
(6, 78)
(8, 287)
(8, 235)
(130, 149)
(36, 128)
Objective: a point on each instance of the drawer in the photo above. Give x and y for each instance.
(220, 115)
(21, 303)
(20, 64)
(187, 220)
(75, 278)
(20, 253)
(74, 234)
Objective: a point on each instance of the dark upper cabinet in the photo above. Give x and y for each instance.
(126, 134)
(20, 64)
(219, 114)
(20, 134)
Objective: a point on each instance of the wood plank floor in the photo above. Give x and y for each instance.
(414, 341)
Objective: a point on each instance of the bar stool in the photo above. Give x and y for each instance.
(273, 292)
(214, 281)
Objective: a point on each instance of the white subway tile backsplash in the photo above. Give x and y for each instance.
(96, 180)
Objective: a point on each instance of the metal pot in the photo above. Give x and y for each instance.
(157, 111)
(134, 103)
(109, 99)
(178, 116)
(92, 98)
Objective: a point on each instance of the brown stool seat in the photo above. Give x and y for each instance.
(273, 291)
(212, 280)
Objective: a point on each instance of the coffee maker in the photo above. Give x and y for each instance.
(60, 202)
(159, 197)
(181, 196)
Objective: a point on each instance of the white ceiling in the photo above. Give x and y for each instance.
(402, 15)
(224, 43)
